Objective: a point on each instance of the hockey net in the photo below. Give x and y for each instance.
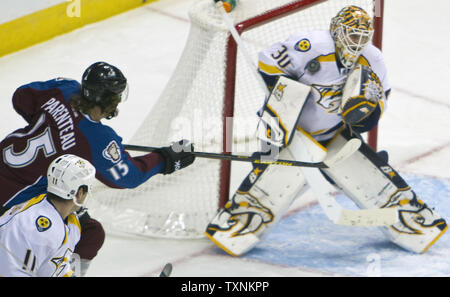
(211, 99)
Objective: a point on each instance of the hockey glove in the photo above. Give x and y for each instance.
(177, 156)
(357, 109)
(361, 94)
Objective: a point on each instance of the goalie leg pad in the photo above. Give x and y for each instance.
(258, 204)
(372, 183)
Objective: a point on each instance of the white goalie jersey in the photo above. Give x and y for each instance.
(35, 241)
(310, 58)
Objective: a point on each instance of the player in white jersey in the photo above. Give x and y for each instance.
(38, 237)
(312, 58)
(341, 88)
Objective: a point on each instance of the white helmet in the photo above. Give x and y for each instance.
(66, 174)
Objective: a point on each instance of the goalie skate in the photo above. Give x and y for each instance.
(258, 204)
(419, 226)
(236, 228)
(372, 183)
(267, 191)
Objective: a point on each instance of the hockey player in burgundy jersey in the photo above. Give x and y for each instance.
(64, 117)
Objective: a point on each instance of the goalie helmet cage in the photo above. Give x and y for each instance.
(211, 99)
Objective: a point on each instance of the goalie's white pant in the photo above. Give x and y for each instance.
(367, 179)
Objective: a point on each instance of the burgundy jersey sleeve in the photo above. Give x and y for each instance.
(28, 99)
(115, 167)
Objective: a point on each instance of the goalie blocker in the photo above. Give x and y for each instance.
(268, 191)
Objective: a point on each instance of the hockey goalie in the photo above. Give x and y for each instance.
(327, 87)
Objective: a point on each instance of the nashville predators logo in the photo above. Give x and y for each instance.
(415, 216)
(244, 214)
(81, 164)
(330, 97)
(43, 223)
(303, 45)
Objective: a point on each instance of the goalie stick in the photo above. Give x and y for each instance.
(324, 191)
(238, 40)
(348, 149)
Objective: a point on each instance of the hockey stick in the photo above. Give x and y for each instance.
(238, 40)
(348, 217)
(324, 191)
(349, 148)
(358, 217)
(166, 271)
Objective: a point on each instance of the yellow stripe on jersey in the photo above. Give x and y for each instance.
(73, 219)
(318, 132)
(381, 107)
(332, 58)
(363, 61)
(330, 93)
(327, 58)
(269, 69)
(33, 201)
(65, 235)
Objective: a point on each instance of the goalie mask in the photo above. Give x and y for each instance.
(351, 30)
(66, 174)
(106, 86)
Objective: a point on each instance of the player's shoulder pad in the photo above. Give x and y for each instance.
(45, 224)
(52, 83)
(67, 86)
(104, 142)
(306, 46)
(312, 43)
(372, 55)
(373, 58)
(73, 222)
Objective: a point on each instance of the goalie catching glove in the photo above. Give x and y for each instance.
(177, 156)
(361, 94)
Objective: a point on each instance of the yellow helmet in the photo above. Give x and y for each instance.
(351, 30)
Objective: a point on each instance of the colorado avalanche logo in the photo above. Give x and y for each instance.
(112, 152)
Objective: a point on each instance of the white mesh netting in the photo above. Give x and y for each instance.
(191, 107)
